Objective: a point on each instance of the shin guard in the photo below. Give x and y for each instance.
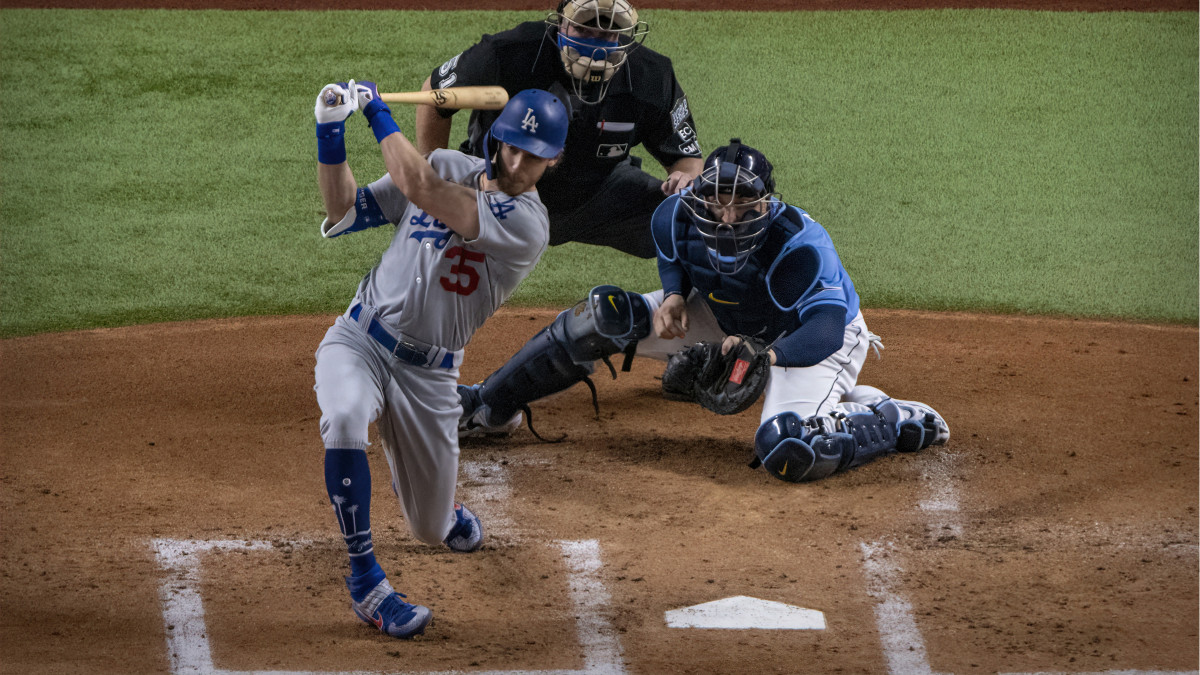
(796, 450)
(608, 321)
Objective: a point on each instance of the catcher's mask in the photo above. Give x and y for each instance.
(534, 121)
(732, 202)
(603, 33)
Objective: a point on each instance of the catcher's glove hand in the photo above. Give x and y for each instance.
(723, 383)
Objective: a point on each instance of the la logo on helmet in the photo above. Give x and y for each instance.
(530, 122)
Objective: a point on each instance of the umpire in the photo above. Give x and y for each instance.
(619, 93)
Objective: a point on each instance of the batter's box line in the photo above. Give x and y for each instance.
(903, 646)
(190, 653)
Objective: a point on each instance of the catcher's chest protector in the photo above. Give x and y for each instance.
(740, 302)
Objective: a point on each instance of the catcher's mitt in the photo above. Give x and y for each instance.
(723, 383)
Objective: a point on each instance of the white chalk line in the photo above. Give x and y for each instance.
(487, 483)
(903, 646)
(190, 652)
(941, 506)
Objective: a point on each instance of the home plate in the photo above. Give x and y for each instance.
(743, 613)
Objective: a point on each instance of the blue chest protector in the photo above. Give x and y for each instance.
(795, 271)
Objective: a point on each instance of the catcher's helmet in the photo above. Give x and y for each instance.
(605, 32)
(534, 121)
(732, 203)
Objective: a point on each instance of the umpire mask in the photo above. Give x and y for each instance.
(594, 39)
(731, 203)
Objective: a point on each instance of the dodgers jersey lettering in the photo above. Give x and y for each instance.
(431, 284)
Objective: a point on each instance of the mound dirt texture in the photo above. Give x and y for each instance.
(1055, 532)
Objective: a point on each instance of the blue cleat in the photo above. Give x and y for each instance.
(467, 533)
(383, 607)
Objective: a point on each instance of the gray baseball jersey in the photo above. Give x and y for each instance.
(431, 284)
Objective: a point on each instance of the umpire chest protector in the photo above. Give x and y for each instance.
(644, 105)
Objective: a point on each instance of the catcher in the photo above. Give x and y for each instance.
(754, 299)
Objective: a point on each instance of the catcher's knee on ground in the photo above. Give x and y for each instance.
(801, 450)
(606, 322)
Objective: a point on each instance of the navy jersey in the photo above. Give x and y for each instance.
(644, 105)
(794, 272)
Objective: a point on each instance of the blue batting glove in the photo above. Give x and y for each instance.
(378, 114)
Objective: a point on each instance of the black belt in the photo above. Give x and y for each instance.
(401, 349)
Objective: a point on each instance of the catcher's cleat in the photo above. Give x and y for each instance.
(467, 533)
(933, 430)
(383, 608)
(474, 418)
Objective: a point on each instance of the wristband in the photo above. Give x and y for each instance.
(379, 116)
(331, 142)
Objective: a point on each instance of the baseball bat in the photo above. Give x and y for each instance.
(477, 98)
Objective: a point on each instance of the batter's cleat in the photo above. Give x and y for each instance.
(467, 533)
(384, 608)
(921, 427)
(474, 418)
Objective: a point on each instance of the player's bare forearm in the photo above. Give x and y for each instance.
(453, 204)
(671, 318)
(681, 174)
(338, 189)
(433, 130)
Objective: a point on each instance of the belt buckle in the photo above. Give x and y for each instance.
(415, 356)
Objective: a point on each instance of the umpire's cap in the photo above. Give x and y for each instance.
(534, 121)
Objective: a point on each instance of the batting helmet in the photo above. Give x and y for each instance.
(731, 202)
(534, 121)
(603, 33)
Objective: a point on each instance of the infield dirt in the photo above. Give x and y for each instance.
(1070, 547)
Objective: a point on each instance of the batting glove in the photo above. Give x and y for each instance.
(378, 114)
(367, 92)
(336, 102)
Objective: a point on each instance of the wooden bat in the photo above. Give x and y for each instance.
(477, 98)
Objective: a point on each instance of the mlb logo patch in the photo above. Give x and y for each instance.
(612, 150)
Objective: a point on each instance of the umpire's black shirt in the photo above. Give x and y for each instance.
(644, 104)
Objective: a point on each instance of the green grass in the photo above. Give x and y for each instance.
(159, 165)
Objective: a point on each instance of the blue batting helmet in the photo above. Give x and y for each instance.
(534, 121)
(730, 204)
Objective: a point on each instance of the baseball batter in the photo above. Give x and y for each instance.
(468, 230)
(734, 261)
